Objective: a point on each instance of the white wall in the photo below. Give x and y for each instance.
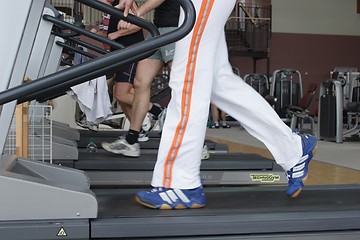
(333, 17)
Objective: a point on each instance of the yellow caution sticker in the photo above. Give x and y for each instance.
(264, 178)
(61, 232)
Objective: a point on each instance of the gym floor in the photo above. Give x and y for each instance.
(333, 164)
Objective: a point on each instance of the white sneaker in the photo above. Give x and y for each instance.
(161, 119)
(88, 125)
(149, 122)
(205, 153)
(121, 146)
(143, 137)
(153, 122)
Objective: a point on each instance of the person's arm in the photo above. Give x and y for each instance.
(126, 5)
(108, 2)
(146, 7)
(123, 32)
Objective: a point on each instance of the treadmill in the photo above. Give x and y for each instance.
(108, 169)
(105, 168)
(152, 143)
(46, 201)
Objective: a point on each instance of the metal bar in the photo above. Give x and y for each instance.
(77, 29)
(87, 45)
(61, 88)
(99, 66)
(64, 45)
(119, 14)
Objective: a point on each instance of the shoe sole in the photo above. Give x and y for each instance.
(297, 193)
(168, 207)
(143, 139)
(123, 152)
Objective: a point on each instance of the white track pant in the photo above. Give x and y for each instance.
(201, 72)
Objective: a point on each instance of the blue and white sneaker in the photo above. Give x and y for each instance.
(299, 172)
(172, 198)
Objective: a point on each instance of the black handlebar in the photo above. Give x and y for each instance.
(63, 80)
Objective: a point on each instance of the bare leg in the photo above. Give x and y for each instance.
(215, 113)
(215, 116)
(223, 116)
(146, 71)
(124, 94)
(223, 120)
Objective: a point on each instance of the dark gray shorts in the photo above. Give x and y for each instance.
(165, 53)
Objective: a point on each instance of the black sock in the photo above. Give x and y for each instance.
(132, 136)
(155, 110)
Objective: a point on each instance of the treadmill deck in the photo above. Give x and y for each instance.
(232, 211)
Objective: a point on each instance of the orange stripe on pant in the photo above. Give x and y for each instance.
(197, 32)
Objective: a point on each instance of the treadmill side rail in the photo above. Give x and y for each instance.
(37, 191)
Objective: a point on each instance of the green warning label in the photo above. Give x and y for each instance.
(265, 178)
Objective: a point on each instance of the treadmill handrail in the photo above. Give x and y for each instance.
(119, 14)
(75, 49)
(99, 66)
(79, 30)
(151, 28)
(82, 43)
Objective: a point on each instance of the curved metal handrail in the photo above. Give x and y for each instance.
(97, 67)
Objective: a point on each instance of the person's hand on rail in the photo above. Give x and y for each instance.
(126, 5)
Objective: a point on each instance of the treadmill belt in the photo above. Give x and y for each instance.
(222, 161)
(105, 169)
(232, 211)
(112, 133)
(152, 143)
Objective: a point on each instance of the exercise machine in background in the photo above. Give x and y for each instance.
(339, 106)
